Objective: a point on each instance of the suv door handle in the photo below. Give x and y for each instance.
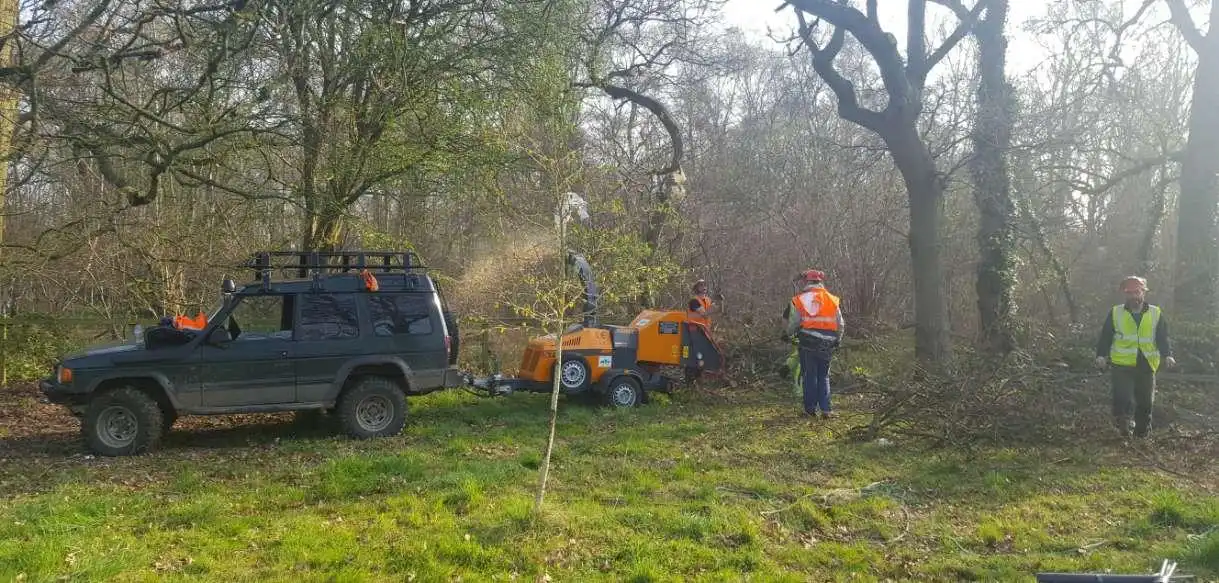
(283, 354)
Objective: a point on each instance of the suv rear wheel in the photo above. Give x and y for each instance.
(373, 407)
(124, 421)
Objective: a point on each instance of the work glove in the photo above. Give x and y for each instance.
(1101, 362)
(1170, 362)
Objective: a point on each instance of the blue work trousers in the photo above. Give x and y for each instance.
(816, 372)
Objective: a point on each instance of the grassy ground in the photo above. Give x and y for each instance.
(696, 487)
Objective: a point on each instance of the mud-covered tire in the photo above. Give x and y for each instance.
(122, 422)
(373, 407)
(623, 392)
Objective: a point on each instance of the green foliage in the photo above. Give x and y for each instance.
(373, 238)
(33, 344)
(1204, 551)
(626, 269)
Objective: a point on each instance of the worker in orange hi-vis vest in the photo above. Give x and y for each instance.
(699, 308)
(816, 321)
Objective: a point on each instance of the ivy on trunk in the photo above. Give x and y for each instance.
(992, 137)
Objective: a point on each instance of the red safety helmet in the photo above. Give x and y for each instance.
(812, 276)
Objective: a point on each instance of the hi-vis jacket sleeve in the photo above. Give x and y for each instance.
(793, 319)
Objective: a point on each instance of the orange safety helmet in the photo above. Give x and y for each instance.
(1132, 283)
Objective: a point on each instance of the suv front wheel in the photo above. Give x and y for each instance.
(374, 407)
(124, 421)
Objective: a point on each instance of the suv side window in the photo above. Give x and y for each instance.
(328, 317)
(261, 317)
(400, 314)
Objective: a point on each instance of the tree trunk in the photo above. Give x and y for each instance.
(669, 186)
(9, 12)
(992, 138)
(670, 190)
(1159, 204)
(323, 232)
(925, 191)
(1197, 273)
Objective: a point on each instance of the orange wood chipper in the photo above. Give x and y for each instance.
(621, 364)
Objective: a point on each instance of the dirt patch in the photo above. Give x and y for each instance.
(41, 447)
(31, 429)
(21, 410)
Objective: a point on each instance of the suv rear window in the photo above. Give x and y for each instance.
(328, 317)
(400, 314)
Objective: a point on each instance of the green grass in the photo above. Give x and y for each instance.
(682, 489)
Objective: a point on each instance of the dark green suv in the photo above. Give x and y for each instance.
(353, 333)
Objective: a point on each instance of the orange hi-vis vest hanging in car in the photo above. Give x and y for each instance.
(199, 322)
(818, 310)
(704, 303)
(370, 281)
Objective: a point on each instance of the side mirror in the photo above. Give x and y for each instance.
(219, 336)
(228, 287)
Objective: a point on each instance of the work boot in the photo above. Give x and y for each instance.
(828, 415)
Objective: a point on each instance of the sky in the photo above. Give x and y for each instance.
(1024, 53)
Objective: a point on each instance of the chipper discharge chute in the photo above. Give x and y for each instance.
(621, 364)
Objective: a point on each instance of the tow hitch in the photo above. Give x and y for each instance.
(498, 385)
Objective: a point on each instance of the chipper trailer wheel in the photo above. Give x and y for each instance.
(623, 393)
(574, 375)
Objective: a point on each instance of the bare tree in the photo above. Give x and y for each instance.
(1197, 272)
(904, 82)
(625, 43)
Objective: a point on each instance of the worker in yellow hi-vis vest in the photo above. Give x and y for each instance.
(1134, 341)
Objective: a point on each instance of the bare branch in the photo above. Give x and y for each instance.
(916, 41)
(658, 109)
(844, 90)
(969, 19)
(1185, 24)
(85, 23)
(876, 41)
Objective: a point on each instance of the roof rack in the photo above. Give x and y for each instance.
(319, 263)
